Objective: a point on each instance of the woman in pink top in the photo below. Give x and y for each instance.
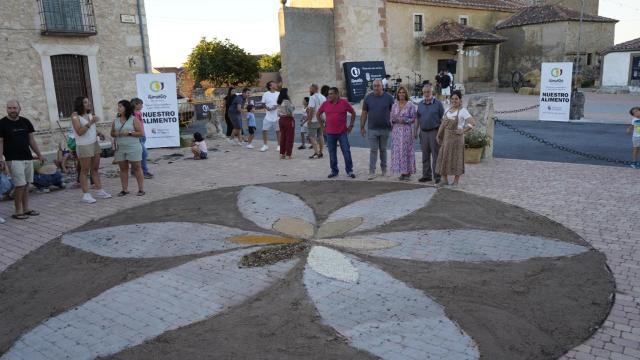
(137, 107)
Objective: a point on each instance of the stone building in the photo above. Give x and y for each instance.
(410, 36)
(545, 33)
(52, 51)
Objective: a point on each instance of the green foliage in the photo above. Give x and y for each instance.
(270, 63)
(476, 139)
(221, 63)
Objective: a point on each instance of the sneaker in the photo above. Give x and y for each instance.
(148, 175)
(301, 147)
(87, 198)
(264, 148)
(635, 166)
(332, 175)
(424, 179)
(249, 146)
(278, 149)
(43, 190)
(237, 143)
(384, 173)
(351, 175)
(372, 176)
(2, 220)
(103, 194)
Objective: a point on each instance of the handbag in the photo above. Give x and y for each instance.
(6, 184)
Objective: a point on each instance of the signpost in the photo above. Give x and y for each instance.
(359, 76)
(202, 110)
(555, 91)
(160, 111)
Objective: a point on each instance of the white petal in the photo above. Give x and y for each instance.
(136, 311)
(383, 209)
(332, 264)
(472, 246)
(155, 239)
(397, 322)
(266, 206)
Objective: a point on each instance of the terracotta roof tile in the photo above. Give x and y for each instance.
(631, 45)
(542, 14)
(451, 32)
(504, 5)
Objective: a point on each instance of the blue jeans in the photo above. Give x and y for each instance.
(332, 145)
(143, 163)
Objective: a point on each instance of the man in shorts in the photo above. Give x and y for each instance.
(235, 115)
(16, 142)
(315, 127)
(270, 101)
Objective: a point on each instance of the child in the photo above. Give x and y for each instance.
(303, 124)
(635, 138)
(199, 147)
(63, 156)
(251, 124)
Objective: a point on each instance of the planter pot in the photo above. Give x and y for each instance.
(472, 155)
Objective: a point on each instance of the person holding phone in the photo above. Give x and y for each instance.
(88, 149)
(127, 131)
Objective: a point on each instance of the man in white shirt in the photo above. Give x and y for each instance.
(385, 82)
(270, 101)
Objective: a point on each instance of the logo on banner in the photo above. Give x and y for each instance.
(156, 86)
(555, 72)
(355, 72)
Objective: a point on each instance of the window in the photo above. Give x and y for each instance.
(418, 26)
(67, 17)
(70, 79)
(463, 20)
(589, 59)
(635, 68)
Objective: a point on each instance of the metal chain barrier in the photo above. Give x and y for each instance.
(557, 146)
(518, 110)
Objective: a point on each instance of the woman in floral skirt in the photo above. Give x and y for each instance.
(403, 118)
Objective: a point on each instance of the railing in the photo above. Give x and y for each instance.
(67, 17)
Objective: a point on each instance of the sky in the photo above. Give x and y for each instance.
(176, 26)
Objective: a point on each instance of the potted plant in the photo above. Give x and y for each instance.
(474, 143)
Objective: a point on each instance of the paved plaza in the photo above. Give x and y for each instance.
(518, 262)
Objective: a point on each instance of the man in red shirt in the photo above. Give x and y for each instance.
(335, 110)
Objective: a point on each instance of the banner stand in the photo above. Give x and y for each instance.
(160, 109)
(555, 91)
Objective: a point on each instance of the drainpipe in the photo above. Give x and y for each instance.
(142, 40)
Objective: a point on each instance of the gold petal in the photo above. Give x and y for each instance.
(360, 243)
(337, 228)
(262, 239)
(294, 227)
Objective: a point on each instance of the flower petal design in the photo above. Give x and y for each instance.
(471, 246)
(332, 264)
(133, 312)
(359, 243)
(398, 322)
(382, 209)
(152, 240)
(265, 207)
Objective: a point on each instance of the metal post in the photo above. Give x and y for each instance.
(142, 40)
(578, 45)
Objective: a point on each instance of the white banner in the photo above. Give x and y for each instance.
(160, 109)
(555, 91)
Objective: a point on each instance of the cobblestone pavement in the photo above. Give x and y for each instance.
(599, 203)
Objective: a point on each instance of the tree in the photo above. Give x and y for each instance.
(221, 63)
(270, 63)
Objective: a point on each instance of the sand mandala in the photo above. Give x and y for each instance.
(390, 270)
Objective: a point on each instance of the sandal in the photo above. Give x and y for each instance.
(123, 193)
(20, 216)
(141, 193)
(314, 156)
(31, 213)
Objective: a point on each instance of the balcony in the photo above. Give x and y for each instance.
(67, 17)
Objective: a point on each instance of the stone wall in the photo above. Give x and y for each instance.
(308, 50)
(529, 46)
(24, 55)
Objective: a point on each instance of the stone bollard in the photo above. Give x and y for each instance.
(576, 111)
(481, 108)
